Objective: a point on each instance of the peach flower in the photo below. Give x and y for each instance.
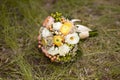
(48, 22)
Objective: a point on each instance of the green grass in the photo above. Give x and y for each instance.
(20, 58)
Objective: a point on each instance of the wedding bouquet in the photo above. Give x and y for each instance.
(59, 37)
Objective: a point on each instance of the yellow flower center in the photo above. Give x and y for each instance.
(58, 40)
(71, 38)
(66, 27)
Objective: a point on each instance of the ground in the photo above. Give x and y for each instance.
(20, 58)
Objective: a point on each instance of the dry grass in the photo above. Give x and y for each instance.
(21, 60)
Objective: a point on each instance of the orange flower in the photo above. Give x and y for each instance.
(48, 22)
(58, 40)
(66, 28)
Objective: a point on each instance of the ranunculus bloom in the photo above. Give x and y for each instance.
(66, 28)
(63, 50)
(57, 26)
(53, 51)
(48, 22)
(46, 33)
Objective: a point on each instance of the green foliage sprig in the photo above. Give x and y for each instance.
(57, 16)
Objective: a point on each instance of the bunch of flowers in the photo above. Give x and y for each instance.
(59, 37)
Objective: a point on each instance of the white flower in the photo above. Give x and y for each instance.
(82, 28)
(72, 38)
(57, 25)
(74, 20)
(63, 50)
(46, 33)
(53, 51)
(84, 35)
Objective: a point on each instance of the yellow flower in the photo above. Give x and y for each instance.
(58, 40)
(66, 27)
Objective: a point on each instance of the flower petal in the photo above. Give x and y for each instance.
(84, 34)
(82, 28)
(74, 20)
